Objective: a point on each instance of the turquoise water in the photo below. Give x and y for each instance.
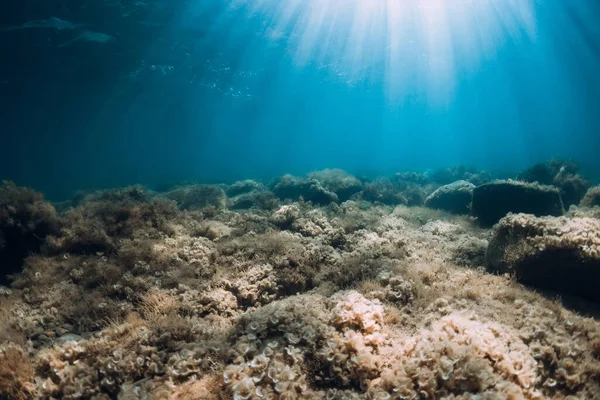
(104, 94)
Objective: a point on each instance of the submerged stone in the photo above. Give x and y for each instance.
(290, 187)
(339, 182)
(384, 191)
(494, 200)
(261, 200)
(197, 197)
(591, 198)
(562, 254)
(243, 187)
(454, 198)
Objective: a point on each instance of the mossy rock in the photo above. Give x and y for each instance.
(494, 200)
(454, 198)
(561, 254)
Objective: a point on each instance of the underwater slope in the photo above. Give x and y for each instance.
(232, 291)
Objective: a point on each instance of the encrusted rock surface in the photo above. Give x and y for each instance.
(562, 254)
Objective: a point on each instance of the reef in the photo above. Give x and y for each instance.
(325, 286)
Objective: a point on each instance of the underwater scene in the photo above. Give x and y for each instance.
(300, 199)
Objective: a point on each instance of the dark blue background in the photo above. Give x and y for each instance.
(196, 90)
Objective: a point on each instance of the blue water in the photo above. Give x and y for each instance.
(214, 90)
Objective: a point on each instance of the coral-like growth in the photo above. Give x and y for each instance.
(16, 373)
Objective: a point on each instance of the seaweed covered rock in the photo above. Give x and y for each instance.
(572, 187)
(100, 226)
(261, 200)
(198, 197)
(243, 187)
(562, 254)
(25, 221)
(293, 188)
(248, 194)
(591, 198)
(338, 181)
(129, 193)
(455, 197)
(384, 191)
(495, 200)
(544, 173)
(563, 174)
(414, 188)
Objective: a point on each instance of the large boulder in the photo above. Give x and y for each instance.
(243, 187)
(455, 198)
(244, 195)
(494, 200)
(337, 181)
(562, 254)
(293, 188)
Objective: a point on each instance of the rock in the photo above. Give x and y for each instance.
(197, 197)
(338, 181)
(454, 198)
(261, 200)
(591, 198)
(384, 191)
(572, 187)
(290, 187)
(243, 187)
(494, 200)
(561, 254)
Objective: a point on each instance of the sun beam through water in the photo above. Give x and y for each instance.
(421, 47)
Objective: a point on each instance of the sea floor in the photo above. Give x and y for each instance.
(184, 295)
